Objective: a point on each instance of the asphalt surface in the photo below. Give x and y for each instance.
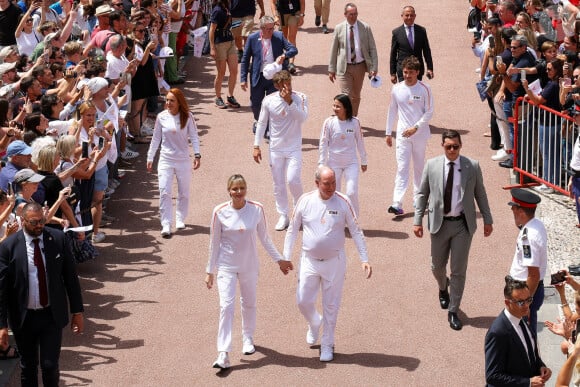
(150, 321)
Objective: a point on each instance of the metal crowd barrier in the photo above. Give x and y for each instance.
(542, 153)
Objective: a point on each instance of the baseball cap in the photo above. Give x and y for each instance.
(27, 175)
(5, 67)
(18, 147)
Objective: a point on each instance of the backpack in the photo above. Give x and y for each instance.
(474, 18)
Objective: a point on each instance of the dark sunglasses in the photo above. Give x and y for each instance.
(449, 147)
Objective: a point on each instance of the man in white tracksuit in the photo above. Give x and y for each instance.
(285, 111)
(412, 102)
(323, 215)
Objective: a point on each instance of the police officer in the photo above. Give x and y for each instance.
(531, 256)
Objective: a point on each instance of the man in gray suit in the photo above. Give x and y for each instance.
(450, 185)
(352, 54)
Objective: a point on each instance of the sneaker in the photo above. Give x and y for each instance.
(222, 361)
(232, 102)
(98, 237)
(317, 21)
(283, 223)
(109, 191)
(543, 189)
(325, 29)
(313, 332)
(501, 155)
(248, 347)
(326, 353)
(219, 102)
(509, 163)
(179, 225)
(395, 210)
(114, 183)
(292, 68)
(166, 231)
(129, 154)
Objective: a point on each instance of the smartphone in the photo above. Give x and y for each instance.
(566, 81)
(558, 277)
(498, 60)
(85, 151)
(10, 189)
(477, 35)
(522, 75)
(101, 142)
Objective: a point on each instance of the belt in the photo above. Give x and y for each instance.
(576, 173)
(39, 310)
(454, 218)
(354, 64)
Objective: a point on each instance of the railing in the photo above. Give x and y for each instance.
(543, 144)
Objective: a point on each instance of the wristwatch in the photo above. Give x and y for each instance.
(197, 156)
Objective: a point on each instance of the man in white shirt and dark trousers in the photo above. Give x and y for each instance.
(412, 103)
(323, 215)
(283, 112)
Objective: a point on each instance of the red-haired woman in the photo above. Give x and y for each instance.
(173, 127)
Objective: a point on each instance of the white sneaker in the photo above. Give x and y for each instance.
(166, 231)
(98, 237)
(543, 189)
(222, 361)
(248, 347)
(501, 155)
(179, 225)
(313, 332)
(129, 154)
(326, 353)
(283, 223)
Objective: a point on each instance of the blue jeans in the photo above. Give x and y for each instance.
(550, 144)
(507, 109)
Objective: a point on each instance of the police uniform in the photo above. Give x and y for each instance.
(531, 249)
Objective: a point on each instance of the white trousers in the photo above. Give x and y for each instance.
(226, 283)
(165, 172)
(286, 168)
(503, 126)
(327, 275)
(408, 150)
(351, 174)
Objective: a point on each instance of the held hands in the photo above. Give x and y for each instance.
(285, 266)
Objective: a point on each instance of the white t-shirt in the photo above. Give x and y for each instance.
(26, 43)
(172, 138)
(413, 105)
(339, 141)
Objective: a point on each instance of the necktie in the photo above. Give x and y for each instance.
(40, 272)
(410, 37)
(531, 354)
(448, 189)
(352, 51)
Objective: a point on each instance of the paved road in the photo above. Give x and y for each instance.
(152, 322)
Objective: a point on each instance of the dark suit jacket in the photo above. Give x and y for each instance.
(252, 58)
(400, 49)
(506, 360)
(61, 277)
(431, 193)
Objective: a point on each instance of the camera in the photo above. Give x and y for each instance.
(558, 278)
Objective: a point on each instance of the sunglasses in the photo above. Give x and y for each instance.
(514, 47)
(35, 223)
(139, 30)
(454, 147)
(522, 302)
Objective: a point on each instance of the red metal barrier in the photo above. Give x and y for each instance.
(533, 148)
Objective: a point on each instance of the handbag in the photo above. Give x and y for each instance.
(482, 89)
(83, 251)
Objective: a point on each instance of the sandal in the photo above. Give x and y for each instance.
(9, 353)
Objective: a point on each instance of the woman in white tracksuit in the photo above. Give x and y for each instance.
(173, 127)
(340, 139)
(233, 254)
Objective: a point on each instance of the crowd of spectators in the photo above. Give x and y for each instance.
(530, 49)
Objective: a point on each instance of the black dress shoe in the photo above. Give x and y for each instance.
(454, 321)
(507, 164)
(317, 21)
(444, 296)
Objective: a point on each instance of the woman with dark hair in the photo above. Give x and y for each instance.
(550, 136)
(173, 128)
(340, 139)
(224, 51)
(35, 126)
(233, 254)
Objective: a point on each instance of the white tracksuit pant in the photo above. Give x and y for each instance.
(327, 275)
(407, 150)
(226, 283)
(165, 172)
(351, 175)
(286, 167)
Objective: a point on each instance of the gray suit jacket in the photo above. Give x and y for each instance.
(338, 50)
(432, 190)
